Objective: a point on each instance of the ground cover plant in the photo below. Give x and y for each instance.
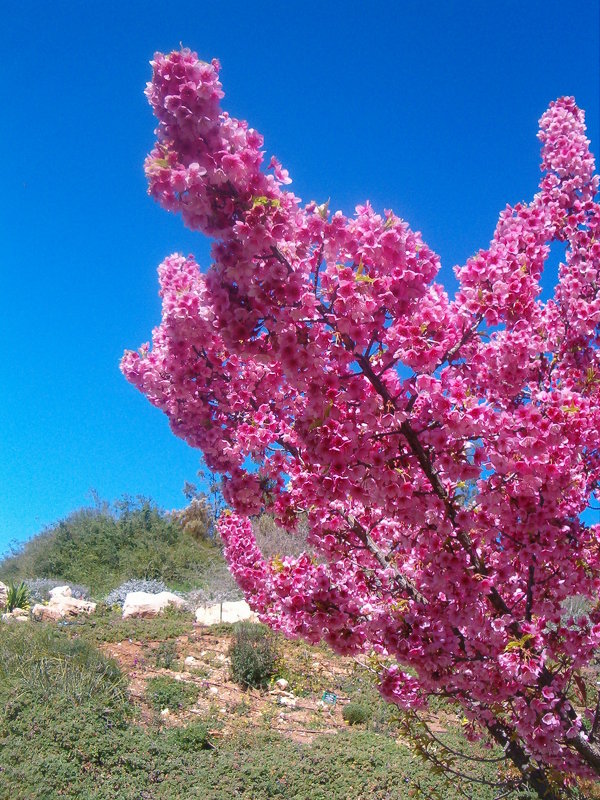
(69, 727)
(108, 625)
(441, 450)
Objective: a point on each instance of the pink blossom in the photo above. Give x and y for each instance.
(441, 450)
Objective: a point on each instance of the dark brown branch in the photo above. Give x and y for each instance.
(529, 600)
(596, 722)
(535, 777)
(402, 581)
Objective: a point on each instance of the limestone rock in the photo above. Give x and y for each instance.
(282, 684)
(16, 615)
(62, 605)
(208, 615)
(289, 702)
(145, 604)
(233, 611)
(59, 591)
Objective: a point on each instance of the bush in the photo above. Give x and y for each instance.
(254, 655)
(165, 655)
(192, 738)
(104, 546)
(356, 714)
(17, 596)
(163, 692)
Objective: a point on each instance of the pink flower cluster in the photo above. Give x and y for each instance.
(442, 450)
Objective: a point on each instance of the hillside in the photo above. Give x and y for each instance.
(101, 547)
(100, 707)
(106, 708)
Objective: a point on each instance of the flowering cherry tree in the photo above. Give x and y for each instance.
(324, 373)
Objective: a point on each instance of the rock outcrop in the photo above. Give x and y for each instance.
(62, 605)
(238, 611)
(16, 615)
(145, 604)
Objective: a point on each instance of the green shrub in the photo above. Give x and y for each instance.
(17, 596)
(165, 655)
(191, 738)
(39, 664)
(356, 714)
(254, 655)
(107, 625)
(104, 546)
(163, 692)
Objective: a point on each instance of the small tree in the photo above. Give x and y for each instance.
(326, 374)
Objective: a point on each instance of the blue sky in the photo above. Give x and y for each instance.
(427, 108)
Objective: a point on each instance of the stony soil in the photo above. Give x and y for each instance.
(300, 716)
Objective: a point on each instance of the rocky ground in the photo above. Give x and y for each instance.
(200, 659)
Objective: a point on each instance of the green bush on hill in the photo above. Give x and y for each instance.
(104, 546)
(254, 655)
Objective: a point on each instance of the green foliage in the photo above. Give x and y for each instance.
(17, 596)
(163, 692)
(76, 739)
(39, 664)
(192, 738)
(165, 655)
(356, 713)
(107, 625)
(103, 546)
(254, 655)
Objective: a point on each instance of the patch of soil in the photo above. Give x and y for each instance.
(300, 718)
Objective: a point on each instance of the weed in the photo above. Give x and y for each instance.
(356, 713)
(165, 655)
(191, 738)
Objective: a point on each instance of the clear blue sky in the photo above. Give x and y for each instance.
(427, 108)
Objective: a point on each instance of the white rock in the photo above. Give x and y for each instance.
(3, 594)
(190, 661)
(146, 604)
(289, 702)
(16, 615)
(282, 684)
(213, 690)
(238, 611)
(165, 712)
(60, 591)
(61, 606)
(208, 615)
